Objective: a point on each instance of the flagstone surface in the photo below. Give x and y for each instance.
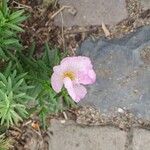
(91, 12)
(70, 136)
(123, 73)
(145, 4)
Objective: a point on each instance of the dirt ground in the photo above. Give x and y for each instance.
(40, 26)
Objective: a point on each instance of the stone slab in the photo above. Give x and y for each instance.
(92, 12)
(145, 4)
(123, 73)
(141, 140)
(69, 136)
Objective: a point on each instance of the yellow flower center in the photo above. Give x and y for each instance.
(69, 74)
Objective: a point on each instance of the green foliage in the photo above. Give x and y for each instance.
(39, 73)
(5, 144)
(23, 75)
(9, 27)
(12, 97)
(12, 85)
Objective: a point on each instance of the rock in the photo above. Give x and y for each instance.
(92, 12)
(70, 136)
(141, 140)
(145, 4)
(123, 73)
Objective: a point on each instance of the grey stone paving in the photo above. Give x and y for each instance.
(73, 137)
(70, 136)
(123, 73)
(141, 140)
(92, 12)
(145, 4)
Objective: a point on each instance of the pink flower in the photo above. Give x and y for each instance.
(73, 73)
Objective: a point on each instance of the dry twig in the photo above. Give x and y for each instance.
(65, 115)
(61, 9)
(106, 31)
(22, 5)
(62, 31)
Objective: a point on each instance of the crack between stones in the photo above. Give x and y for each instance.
(129, 140)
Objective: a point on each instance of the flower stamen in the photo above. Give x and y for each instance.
(69, 74)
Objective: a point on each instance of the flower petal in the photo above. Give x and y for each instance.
(84, 61)
(79, 63)
(82, 67)
(80, 92)
(76, 91)
(69, 86)
(88, 77)
(57, 82)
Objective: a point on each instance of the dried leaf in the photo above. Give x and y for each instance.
(35, 126)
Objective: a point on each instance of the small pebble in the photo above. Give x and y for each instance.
(120, 110)
(63, 121)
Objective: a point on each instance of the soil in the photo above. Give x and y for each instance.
(41, 28)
